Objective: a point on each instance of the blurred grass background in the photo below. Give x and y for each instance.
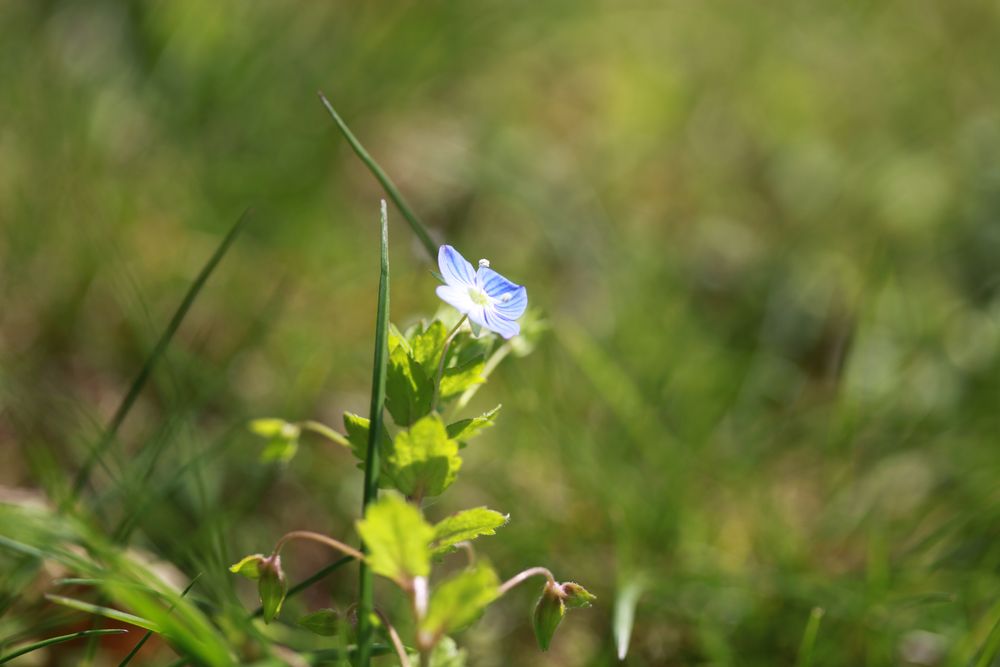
(766, 237)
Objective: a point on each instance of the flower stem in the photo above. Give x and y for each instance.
(444, 355)
(397, 643)
(521, 577)
(322, 429)
(317, 537)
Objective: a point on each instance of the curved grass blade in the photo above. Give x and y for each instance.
(366, 604)
(106, 612)
(625, 604)
(809, 638)
(110, 433)
(390, 188)
(149, 633)
(59, 640)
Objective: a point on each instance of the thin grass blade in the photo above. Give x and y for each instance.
(106, 612)
(624, 617)
(59, 640)
(809, 638)
(111, 432)
(366, 604)
(390, 188)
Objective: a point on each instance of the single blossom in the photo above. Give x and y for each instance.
(489, 299)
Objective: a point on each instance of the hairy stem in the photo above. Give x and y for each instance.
(397, 643)
(322, 429)
(521, 577)
(317, 537)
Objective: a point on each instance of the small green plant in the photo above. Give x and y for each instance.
(423, 378)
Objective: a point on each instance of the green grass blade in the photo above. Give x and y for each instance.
(809, 638)
(59, 640)
(106, 612)
(149, 633)
(111, 432)
(990, 647)
(625, 604)
(390, 188)
(366, 604)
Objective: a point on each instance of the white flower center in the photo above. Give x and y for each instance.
(479, 297)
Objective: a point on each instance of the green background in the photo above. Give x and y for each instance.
(765, 236)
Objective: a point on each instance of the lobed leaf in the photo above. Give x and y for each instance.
(423, 460)
(409, 389)
(396, 538)
(464, 526)
(460, 600)
(464, 429)
(457, 379)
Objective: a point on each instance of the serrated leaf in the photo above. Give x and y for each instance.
(463, 526)
(459, 601)
(324, 622)
(464, 429)
(397, 538)
(457, 379)
(549, 612)
(427, 345)
(357, 435)
(423, 460)
(249, 566)
(409, 390)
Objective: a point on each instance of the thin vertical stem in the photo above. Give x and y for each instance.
(441, 362)
(366, 603)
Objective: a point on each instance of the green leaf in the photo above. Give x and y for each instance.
(272, 587)
(465, 429)
(357, 435)
(427, 345)
(397, 538)
(459, 601)
(549, 612)
(279, 450)
(457, 379)
(274, 428)
(249, 567)
(325, 622)
(409, 389)
(282, 436)
(463, 526)
(447, 654)
(423, 460)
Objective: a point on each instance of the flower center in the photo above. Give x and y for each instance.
(479, 297)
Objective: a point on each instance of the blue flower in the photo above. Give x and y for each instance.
(489, 299)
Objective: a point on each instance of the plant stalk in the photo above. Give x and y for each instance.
(366, 604)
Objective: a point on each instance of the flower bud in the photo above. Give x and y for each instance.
(549, 611)
(272, 587)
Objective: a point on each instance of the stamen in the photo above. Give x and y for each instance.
(506, 297)
(484, 263)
